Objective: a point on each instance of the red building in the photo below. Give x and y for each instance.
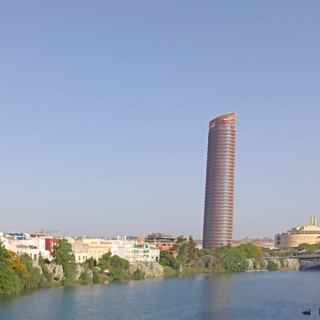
(50, 244)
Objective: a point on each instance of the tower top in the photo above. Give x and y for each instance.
(225, 118)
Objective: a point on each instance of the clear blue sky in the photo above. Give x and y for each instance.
(104, 108)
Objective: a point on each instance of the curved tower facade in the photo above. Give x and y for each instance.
(220, 182)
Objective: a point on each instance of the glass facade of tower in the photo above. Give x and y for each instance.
(220, 182)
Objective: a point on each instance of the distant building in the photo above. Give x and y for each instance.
(220, 182)
(163, 242)
(131, 250)
(81, 252)
(25, 244)
(87, 248)
(135, 251)
(309, 234)
(17, 235)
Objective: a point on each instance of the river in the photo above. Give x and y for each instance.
(256, 296)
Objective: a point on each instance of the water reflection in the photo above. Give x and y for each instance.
(216, 298)
(263, 296)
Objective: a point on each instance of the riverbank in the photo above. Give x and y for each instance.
(145, 270)
(21, 273)
(148, 270)
(18, 274)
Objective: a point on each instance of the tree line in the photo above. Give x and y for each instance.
(186, 258)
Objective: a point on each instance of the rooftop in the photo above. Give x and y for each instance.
(226, 116)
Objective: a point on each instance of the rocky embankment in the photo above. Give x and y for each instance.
(150, 269)
(55, 271)
(153, 270)
(281, 264)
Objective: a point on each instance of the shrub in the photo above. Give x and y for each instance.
(138, 275)
(272, 266)
(169, 272)
(85, 278)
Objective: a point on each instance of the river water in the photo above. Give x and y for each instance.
(256, 296)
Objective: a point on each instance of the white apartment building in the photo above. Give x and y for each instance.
(83, 248)
(135, 251)
(23, 243)
(131, 250)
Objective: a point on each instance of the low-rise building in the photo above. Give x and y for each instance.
(80, 251)
(24, 243)
(36, 246)
(306, 234)
(50, 244)
(163, 242)
(135, 251)
(86, 248)
(131, 250)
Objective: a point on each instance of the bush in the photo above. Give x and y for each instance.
(98, 278)
(32, 276)
(233, 259)
(272, 266)
(85, 278)
(234, 262)
(309, 248)
(250, 251)
(17, 273)
(118, 268)
(138, 275)
(169, 272)
(10, 282)
(168, 260)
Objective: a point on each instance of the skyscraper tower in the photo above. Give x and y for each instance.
(220, 182)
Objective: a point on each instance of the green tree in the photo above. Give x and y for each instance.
(119, 269)
(233, 259)
(272, 266)
(250, 251)
(104, 261)
(116, 267)
(309, 248)
(118, 263)
(192, 250)
(64, 256)
(138, 275)
(85, 278)
(98, 278)
(10, 282)
(32, 277)
(91, 263)
(4, 253)
(182, 250)
(167, 260)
